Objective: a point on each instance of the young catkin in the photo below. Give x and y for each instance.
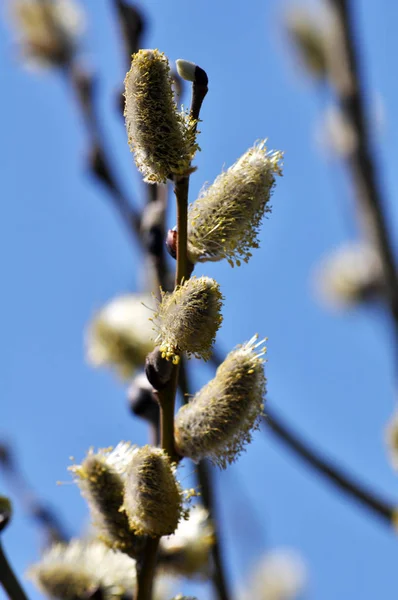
(161, 137)
(188, 319)
(152, 498)
(224, 221)
(101, 480)
(218, 421)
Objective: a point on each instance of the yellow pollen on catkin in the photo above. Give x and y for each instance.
(187, 320)
(162, 138)
(225, 220)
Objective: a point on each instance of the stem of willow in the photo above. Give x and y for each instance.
(8, 580)
(146, 570)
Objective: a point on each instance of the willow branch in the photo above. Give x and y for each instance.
(8, 579)
(347, 81)
(83, 85)
(327, 469)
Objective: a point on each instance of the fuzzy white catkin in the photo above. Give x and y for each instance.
(225, 220)
(101, 479)
(218, 421)
(187, 319)
(152, 496)
(120, 334)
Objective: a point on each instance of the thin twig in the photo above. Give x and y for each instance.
(347, 81)
(335, 475)
(83, 85)
(146, 569)
(8, 579)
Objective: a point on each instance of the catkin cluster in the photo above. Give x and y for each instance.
(133, 493)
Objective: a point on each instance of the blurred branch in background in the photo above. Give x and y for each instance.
(45, 518)
(330, 471)
(346, 80)
(8, 579)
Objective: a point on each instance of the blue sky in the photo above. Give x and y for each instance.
(63, 254)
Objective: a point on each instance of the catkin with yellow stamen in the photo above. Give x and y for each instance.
(161, 137)
(79, 569)
(218, 421)
(224, 221)
(152, 497)
(188, 319)
(101, 480)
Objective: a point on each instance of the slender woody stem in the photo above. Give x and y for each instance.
(8, 579)
(146, 570)
(181, 188)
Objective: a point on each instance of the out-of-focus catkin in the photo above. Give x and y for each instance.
(120, 334)
(79, 569)
(188, 319)
(224, 221)
(162, 138)
(49, 30)
(101, 480)
(153, 498)
(218, 421)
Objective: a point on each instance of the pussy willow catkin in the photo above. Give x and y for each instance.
(218, 421)
(161, 137)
